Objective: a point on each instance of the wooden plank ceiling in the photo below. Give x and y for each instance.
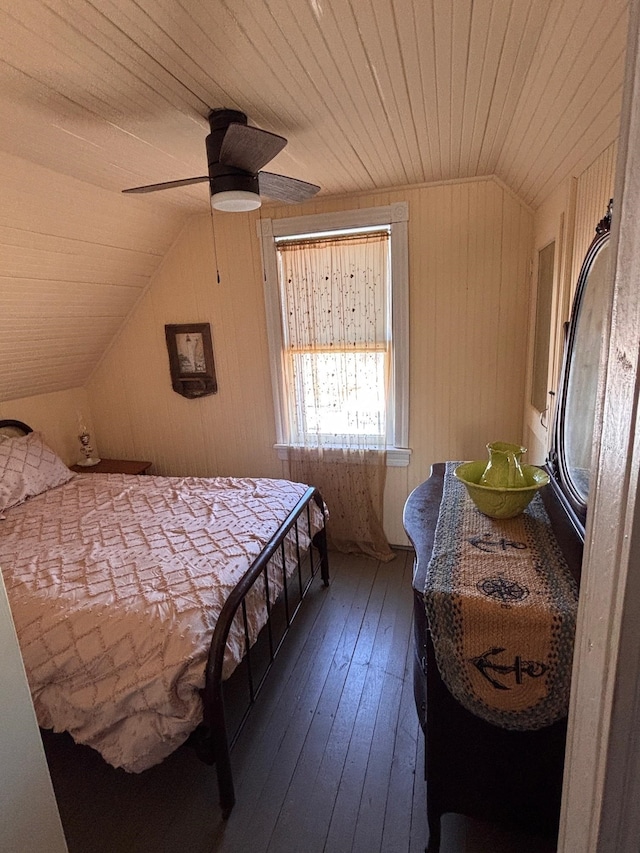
(98, 95)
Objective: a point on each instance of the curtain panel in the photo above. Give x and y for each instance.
(337, 350)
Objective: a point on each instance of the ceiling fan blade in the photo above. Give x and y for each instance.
(184, 182)
(249, 148)
(281, 188)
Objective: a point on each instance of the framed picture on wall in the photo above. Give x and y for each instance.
(190, 348)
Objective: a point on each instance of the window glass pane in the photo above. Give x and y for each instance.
(340, 394)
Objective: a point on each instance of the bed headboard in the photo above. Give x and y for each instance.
(10, 427)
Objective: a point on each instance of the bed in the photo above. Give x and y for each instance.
(137, 599)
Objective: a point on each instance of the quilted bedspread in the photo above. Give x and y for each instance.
(115, 584)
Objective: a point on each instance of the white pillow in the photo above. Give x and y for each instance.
(28, 467)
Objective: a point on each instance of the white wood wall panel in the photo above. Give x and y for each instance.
(25, 254)
(39, 200)
(577, 210)
(594, 189)
(469, 250)
(100, 95)
(69, 274)
(522, 42)
(370, 94)
(56, 416)
(88, 300)
(90, 149)
(222, 434)
(570, 95)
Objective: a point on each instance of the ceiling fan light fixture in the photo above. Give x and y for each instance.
(235, 201)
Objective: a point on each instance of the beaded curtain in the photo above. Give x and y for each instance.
(336, 324)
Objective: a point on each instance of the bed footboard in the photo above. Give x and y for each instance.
(212, 740)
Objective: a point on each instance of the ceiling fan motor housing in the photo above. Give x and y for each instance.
(219, 121)
(223, 177)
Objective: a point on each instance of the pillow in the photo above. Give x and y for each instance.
(28, 467)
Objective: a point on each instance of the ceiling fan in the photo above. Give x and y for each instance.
(236, 153)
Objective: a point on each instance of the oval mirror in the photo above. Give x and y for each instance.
(575, 417)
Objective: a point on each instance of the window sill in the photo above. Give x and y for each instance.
(397, 457)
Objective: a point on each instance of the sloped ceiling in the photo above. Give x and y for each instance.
(98, 95)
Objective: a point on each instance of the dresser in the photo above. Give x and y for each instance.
(471, 766)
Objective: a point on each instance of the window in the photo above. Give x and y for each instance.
(336, 295)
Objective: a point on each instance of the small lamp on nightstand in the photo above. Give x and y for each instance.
(85, 442)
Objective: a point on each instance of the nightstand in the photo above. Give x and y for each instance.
(114, 466)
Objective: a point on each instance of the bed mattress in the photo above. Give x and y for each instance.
(115, 584)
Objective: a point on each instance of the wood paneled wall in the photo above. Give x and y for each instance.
(469, 251)
(569, 216)
(55, 415)
(74, 260)
(97, 97)
(137, 412)
(593, 191)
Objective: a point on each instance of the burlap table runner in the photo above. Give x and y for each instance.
(501, 605)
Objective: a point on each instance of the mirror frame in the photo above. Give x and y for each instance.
(557, 465)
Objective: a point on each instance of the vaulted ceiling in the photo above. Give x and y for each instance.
(99, 95)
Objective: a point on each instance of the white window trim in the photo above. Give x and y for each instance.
(395, 215)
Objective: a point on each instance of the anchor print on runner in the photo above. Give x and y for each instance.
(490, 669)
(492, 545)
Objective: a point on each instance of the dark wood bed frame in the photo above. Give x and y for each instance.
(212, 740)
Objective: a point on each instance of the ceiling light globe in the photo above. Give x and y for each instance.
(235, 201)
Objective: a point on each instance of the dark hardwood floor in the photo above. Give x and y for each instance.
(331, 758)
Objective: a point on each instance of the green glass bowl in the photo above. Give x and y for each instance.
(500, 502)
